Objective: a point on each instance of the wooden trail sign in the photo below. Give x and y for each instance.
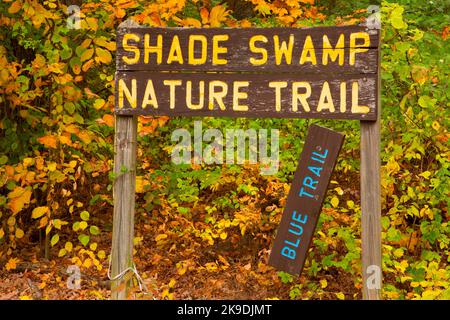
(305, 199)
(320, 72)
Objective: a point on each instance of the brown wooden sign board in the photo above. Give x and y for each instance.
(288, 50)
(305, 199)
(326, 72)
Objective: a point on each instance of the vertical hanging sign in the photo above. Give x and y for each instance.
(305, 199)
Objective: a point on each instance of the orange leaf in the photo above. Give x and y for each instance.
(217, 15)
(15, 7)
(11, 264)
(18, 198)
(84, 136)
(205, 15)
(87, 55)
(48, 141)
(109, 120)
(103, 55)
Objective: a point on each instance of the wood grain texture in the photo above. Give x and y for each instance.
(304, 203)
(123, 193)
(238, 49)
(371, 201)
(261, 98)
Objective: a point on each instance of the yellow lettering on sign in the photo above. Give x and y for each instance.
(149, 96)
(355, 100)
(333, 53)
(237, 95)
(130, 48)
(283, 50)
(296, 96)
(255, 49)
(131, 96)
(175, 53)
(308, 52)
(325, 100)
(201, 95)
(354, 48)
(219, 50)
(278, 85)
(343, 106)
(153, 49)
(172, 84)
(217, 95)
(191, 47)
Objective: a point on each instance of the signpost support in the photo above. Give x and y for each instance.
(371, 204)
(123, 193)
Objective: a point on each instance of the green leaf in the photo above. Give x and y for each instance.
(84, 215)
(426, 102)
(76, 226)
(84, 239)
(3, 160)
(54, 239)
(94, 230)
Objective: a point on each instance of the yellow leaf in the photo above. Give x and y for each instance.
(68, 246)
(160, 237)
(217, 15)
(83, 225)
(62, 252)
(103, 55)
(87, 263)
(73, 164)
(323, 283)
(436, 125)
(340, 296)
(48, 141)
(19, 233)
(334, 202)
(93, 246)
(18, 198)
(350, 204)
(25, 298)
(39, 212)
(15, 7)
(172, 283)
(339, 191)
(101, 254)
(223, 235)
(43, 222)
(99, 103)
(51, 166)
(87, 55)
(140, 183)
(84, 136)
(11, 264)
(2, 233)
(191, 22)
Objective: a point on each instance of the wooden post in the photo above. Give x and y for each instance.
(371, 203)
(123, 193)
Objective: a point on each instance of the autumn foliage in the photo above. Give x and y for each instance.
(205, 231)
